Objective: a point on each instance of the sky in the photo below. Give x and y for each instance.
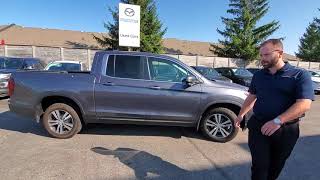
(196, 20)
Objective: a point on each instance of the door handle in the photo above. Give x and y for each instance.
(108, 84)
(155, 87)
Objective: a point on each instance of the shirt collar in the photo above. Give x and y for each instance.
(286, 67)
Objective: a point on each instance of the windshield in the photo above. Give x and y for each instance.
(64, 67)
(242, 72)
(12, 63)
(209, 73)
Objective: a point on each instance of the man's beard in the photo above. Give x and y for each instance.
(268, 65)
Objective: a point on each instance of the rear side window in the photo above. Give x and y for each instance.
(110, 66)
(224, 72)
(125, 66)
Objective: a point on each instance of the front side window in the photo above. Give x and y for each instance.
(164, 70)
(32, 64)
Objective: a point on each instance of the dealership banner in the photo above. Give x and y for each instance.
(129, 25)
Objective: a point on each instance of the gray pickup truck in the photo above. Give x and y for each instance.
(127, 88)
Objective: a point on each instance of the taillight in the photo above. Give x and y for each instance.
(11, 86)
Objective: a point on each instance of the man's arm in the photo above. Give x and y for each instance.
(296, 110)
(304, 94)
(246, 107)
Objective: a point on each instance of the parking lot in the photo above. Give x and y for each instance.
(140, 152)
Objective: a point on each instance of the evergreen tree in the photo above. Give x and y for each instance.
(309, 48)
(242, 36)
(151, 31)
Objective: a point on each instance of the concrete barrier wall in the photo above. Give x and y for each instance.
(189, 60)
(1, 50)
(303, 65)
(19, 51)
(76, 54)
(293, 63)
(47, 54)
(221, 62)
(314, 65)
(205, 61)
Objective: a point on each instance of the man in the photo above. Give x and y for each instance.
(279, 94)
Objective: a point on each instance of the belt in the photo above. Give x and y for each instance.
(292, 122)
(286, 123)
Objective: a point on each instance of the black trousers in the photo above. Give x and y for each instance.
(269, 153)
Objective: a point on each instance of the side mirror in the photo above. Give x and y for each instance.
(191, 80)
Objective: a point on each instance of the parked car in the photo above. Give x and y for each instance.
(211, 73)
(128, 88)
(9, 65)
(66, 66)
(237, 75)
(316, 87)
(315, 75)
(253, 70)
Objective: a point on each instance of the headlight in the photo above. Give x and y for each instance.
(5, 76)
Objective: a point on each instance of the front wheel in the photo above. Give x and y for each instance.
(218, 125)
(61, 121)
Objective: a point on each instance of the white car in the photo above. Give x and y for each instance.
(66, 66)
(315, 76)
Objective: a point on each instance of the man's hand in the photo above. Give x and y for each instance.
(237, 121)
(269, 128)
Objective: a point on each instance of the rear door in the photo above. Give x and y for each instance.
(121, 90)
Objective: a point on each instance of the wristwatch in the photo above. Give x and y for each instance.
(277, 121)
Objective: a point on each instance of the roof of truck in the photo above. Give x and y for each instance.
(134, 53)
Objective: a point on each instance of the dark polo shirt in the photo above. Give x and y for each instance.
(276, 93)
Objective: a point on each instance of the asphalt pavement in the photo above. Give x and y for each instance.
(141, 152)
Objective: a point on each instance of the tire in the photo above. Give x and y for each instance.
(57, 127)
(214, 132)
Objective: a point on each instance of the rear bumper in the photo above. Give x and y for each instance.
(25, 110)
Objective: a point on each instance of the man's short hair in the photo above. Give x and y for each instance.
(275, 42)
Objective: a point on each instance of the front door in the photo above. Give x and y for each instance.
(171, 99)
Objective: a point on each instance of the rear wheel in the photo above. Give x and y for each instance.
(218, 125)
(61, 121)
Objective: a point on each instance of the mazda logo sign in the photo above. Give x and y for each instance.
(129, 12)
